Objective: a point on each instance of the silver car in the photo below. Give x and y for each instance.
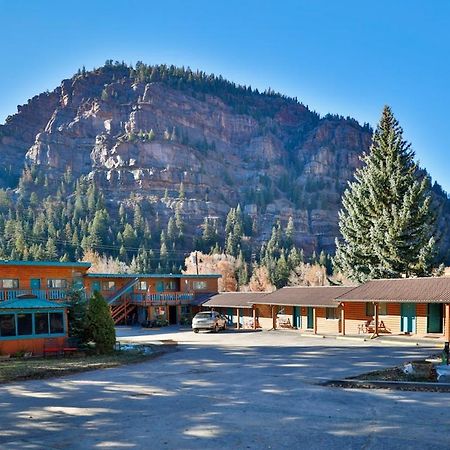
(209, 320)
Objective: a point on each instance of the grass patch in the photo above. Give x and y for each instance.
(15, 369)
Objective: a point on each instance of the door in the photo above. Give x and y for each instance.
(408, 318)
(95, 286)
(229, 316)
(310, 318)
(173, 315)
(296, 317)
(434, 323)
(35, 283)
(160, 286)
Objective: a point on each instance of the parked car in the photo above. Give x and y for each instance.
(209, 320)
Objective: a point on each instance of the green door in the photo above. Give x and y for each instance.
(408, 317)
(35, 283)
(296, 318)
(160, 286)
(229, 316)
(434, 318)
(95, 285)
(310, 318)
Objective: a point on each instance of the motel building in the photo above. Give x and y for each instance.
(33, 314)
(404, 306)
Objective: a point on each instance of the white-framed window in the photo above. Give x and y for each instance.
(199, 285)
(382, 309)
(57, 283)
(332, 313)
(108, 285)
(142, 286)
(9, 283)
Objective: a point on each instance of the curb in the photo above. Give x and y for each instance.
(394, 385)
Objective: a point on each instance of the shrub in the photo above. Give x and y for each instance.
(100, 325)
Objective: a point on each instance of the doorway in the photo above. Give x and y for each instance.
(173, 319)
(309, 318)
(408, 318)
(296, 317)
(435, 316)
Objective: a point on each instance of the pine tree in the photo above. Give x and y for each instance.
(386, 223)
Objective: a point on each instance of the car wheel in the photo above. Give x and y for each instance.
(224, 326)
(195, 330)
(216, 328)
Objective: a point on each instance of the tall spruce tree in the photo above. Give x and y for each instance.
(386, 222)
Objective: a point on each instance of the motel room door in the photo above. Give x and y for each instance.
(408, 318)
(309, 318)
(434, 323)
(296, 317)
(35, 283)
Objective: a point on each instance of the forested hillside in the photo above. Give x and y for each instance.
(148, 163)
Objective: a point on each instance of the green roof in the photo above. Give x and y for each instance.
(30, 303)
(152, 275)
(44, 263)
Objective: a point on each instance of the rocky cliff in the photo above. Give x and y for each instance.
(141, 133)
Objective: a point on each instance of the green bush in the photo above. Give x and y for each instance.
(100, 325)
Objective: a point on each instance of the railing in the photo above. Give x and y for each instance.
(162, 298)
(43, 294)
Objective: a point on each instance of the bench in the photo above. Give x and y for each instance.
(284, 322)
(369, 327)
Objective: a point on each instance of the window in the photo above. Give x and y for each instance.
(170, 285)
(41, 323)
(9, 283)
(56, 323)
(108, 285)
(332, 313)
(382, 309)
(199, 285)
(57, 284)
(24, 324)
(142, 285)
(7, 325)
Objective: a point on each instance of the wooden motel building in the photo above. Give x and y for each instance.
(32, 308)
(408, 306)
(32, 295)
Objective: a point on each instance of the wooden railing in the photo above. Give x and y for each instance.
(162, 298)
(43, 294)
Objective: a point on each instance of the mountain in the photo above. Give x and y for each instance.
(183, 145)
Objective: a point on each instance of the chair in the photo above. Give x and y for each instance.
(71, 346)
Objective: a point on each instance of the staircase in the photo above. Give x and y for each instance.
(122, 290)
(120, 311)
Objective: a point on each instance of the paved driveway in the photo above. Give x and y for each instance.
(230, 390)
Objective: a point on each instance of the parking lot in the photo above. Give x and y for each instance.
(240, 390)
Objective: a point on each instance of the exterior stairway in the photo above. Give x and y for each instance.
(120, 311)
(121, 291)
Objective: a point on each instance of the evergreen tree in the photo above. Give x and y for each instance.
(386, 223)
(100, 325)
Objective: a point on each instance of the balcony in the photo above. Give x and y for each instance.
(159, 299)
(43, 294)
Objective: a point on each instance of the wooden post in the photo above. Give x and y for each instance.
(238, 325)
(315, 320)
(274, 318)
(447, 322)
(254, 318)
(343, 319)
(149, 313)
(375, 310)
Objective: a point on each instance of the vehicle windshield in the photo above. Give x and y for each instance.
(204, 315)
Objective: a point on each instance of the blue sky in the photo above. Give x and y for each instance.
(346, 57)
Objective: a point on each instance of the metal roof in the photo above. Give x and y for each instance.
(235, 299)
(44, 263)
(314, 296)
(408, 290)
(152, 275)
(30, 303)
